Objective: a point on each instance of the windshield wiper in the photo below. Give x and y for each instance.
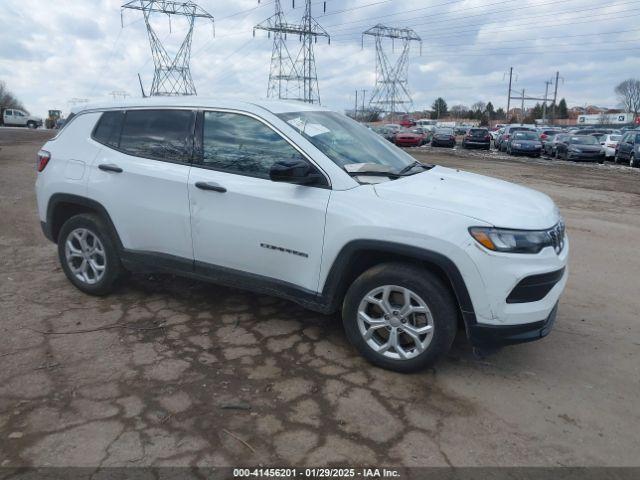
(411, 166)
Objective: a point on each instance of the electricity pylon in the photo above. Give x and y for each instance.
(391, 91)
(282, 70)
(294, 79)
(172, 76)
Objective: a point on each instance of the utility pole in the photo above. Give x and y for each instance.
(522, 108)
(544, 105)
(555, 96)
(509, 95)
(364, 93)
(355, 110)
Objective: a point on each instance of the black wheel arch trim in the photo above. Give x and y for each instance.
(334, 286)
(59, 198)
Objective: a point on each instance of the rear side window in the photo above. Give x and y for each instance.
(108, 129)
(158, 134)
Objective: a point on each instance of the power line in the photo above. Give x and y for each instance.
(433, 32)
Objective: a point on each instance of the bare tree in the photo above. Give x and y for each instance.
(479, 107)
(459, 111)
(629, 94)
(7, 99)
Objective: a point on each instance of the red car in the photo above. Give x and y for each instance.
(409, 139)
(407, 122)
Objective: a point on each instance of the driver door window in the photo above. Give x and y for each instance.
(240, 144)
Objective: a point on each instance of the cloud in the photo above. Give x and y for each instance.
(53, 51)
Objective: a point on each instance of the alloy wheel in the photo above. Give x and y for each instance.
(85, 256)
(395, 322)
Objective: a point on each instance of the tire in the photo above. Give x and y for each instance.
(427, 290)
(93, 281)
(32, 125)
(632, 161)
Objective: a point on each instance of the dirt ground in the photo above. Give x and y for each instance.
(210, 376)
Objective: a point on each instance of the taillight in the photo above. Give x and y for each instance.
(487, 137)
(43, 159)
(453, 137)
(543, 136)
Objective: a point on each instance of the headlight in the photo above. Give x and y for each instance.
(512, 241)
(518, 145)
(574, 149)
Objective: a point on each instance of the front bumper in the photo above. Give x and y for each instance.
(446, 143)
(406, 143)
(526, 151)
(487, 336)
(587, 157)
(476, 143)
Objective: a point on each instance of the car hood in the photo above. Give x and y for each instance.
(493, 201)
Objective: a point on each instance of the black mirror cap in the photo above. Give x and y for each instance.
(298, 172)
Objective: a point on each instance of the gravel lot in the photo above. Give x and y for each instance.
(210, 376)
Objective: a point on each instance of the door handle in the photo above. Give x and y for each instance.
(214, 187)
(109, 167)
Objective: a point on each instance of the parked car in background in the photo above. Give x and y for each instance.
(443, 137)
(508, 131)
(426, 133)
(315, 209)
(12, 117)
(550, 148)
(461, 130)
(524, 142)
(609, 142)
(407, 122)
(495, 133)
(407, 138)
(545, 133)
(628, 150)
(477, 138)
(579, 147)
(387, 133)
(393, 127)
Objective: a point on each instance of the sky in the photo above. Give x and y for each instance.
(54, 51)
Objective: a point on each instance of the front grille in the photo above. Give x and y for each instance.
(556, 234)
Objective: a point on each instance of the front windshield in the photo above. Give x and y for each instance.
(345, 141)
(525, 136)
(584, 140)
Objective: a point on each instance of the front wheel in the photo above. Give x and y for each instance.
(632, 161)
(88, 254)
(400, 317)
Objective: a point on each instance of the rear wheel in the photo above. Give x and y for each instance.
(88, 254)
(400, 317)
(32, 125)
(632, 161)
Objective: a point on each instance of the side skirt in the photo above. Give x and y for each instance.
(140, 262)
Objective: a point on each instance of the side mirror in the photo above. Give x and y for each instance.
(298, 172)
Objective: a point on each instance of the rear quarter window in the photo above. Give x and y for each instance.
(158, 134)
(107, 130)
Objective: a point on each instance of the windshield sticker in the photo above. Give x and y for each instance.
(309, 129)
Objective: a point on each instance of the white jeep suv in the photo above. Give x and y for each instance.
(300, 202)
